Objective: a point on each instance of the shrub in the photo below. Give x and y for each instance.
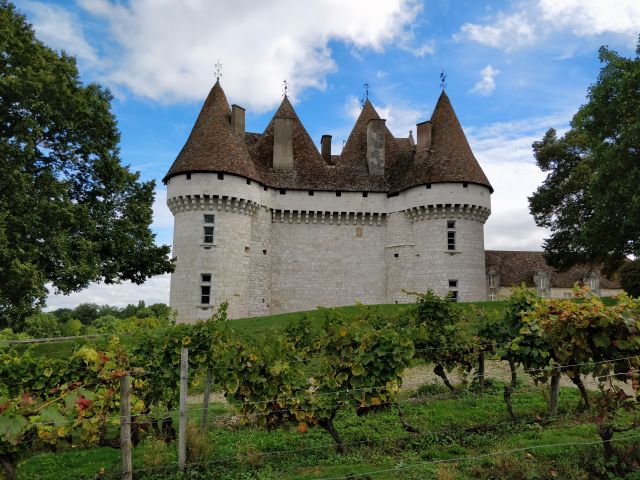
(41, 325)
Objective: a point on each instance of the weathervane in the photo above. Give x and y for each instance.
(365, 95)
(443, 80)
(285, 88)
(218, 70)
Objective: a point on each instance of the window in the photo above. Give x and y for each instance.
(338, 194)
(220, 176)
(248, 182)
(208, 228)
(567, 295)
(311, 193)
(205, 289)
(451, 235)
(428, 185)
(188, 176)
(492, 295)
(283, 191)
(264, 252)
(205, 294)
(465, 185)
(365, 194)
(453, 290)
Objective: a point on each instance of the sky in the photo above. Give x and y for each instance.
(513, 70)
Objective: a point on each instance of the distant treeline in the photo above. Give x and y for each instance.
(89, 318)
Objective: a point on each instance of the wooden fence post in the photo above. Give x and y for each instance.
(182, 427)
(125, 427)
(205, 402)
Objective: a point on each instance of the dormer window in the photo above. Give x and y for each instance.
(593, 282)
(542, 281)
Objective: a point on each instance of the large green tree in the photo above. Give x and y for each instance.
(590, 199)
(70, 213)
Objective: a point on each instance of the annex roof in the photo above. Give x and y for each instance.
(517, 267)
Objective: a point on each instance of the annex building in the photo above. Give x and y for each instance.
(270, 224)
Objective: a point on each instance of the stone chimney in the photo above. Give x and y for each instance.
(424, 135)
(237, 121)
(325, 143)
(283, 143)
(375, 146)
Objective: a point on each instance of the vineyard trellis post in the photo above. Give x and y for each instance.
(182, 426)
(125, 427)
(205, 401)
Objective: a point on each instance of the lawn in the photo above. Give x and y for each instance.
(461, 438)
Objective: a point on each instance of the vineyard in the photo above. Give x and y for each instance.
(324, 399)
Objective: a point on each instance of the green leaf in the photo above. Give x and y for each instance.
(52, 415)
(12, 428)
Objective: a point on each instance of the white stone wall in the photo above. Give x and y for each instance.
(559, 292)
(285, 251)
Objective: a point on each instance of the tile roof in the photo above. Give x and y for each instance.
(212, 147)
(517, 267)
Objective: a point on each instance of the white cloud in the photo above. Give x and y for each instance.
(507, 31)
(593, 17)
(60, 29)
(487, 83)
(504, 151)
(533, 22)
(168, 49)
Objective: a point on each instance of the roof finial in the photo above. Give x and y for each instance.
(365, 95)
(218, 67)
(285, 88)
(443, 80)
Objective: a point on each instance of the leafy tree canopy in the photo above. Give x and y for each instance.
(590, 199)
(70, 213)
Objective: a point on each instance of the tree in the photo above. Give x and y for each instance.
(70, 213)
(630, 278)
(590, 199)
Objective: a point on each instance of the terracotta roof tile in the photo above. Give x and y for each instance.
(517, 267)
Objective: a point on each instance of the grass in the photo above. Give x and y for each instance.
(468, 425)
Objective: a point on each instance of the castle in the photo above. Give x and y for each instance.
(271, 225)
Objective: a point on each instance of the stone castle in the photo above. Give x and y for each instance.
(271, 225)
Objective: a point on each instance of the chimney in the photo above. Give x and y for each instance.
(326, 149)
(375, 146)
(424, 135)
(283, 143)
(237, 121)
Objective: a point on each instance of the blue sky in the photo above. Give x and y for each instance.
(514, 69)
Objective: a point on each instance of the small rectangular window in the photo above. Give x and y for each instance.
(265, 188)
(206, 278)
(311, 193)
(453, 295)
(451, 235)
(428, 185)
(205, 294)
(207, 229)
(188, 176)
(248, 182)
(283, 191)
(365, 194)
(451, 224)
(220, 176)
(453, 283)
(465, 184)
(264, 252)
(396, 255)
(338, 194)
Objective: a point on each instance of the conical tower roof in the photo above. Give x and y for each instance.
(306, 157)
(355, 149)
(212, 146)
(449, 158)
